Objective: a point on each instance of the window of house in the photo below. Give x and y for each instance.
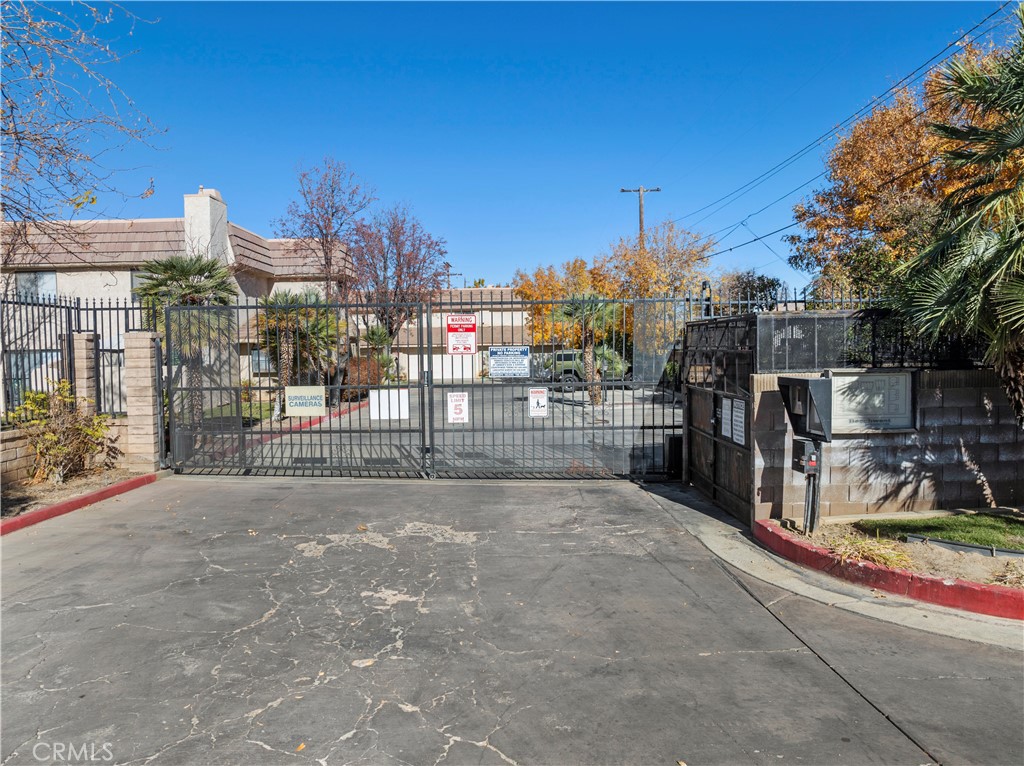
(36, 284)
(138, 279)
(260, 362)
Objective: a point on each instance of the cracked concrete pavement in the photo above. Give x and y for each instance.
(266, 621)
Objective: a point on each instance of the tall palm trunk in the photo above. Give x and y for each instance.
(1010, 369)
(194, 378)
(284, 373)
(590, 371)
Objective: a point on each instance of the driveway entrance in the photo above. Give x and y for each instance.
(272, 621)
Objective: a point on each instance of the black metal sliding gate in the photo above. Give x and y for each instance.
(512, 396)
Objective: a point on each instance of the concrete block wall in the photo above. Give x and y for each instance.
(966, 452)
(17, 458)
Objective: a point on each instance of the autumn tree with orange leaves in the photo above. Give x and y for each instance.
(671, 262)
(885, 185)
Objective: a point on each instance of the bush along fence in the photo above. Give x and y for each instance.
(138, 437)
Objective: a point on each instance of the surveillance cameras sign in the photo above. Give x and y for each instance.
(460, 334)
(305, 401)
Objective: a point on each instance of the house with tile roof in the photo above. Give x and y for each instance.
(105, 258)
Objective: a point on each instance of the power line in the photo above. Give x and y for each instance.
(750, 185)
(881, 186)
(769, 247)
(748, 242)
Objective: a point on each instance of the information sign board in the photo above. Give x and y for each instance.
(508, 361)
(874, 401)
(726, 417)
(739, 421)
(460, 334)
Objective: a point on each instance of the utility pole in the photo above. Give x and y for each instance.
(448, 272)
(641, 191)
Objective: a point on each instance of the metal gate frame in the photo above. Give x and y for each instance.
(213, 429)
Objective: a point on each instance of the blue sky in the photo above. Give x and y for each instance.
(509, 128)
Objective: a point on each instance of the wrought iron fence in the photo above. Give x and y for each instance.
(37, 349)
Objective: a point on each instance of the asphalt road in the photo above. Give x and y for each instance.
(267, 621)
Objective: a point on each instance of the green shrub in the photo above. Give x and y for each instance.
(65, 438)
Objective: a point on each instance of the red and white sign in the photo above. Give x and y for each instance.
(461, 335)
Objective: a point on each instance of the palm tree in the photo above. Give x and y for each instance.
(190, 281)
(970, 280)
(595, 314)
(300, 335)
(379, 339)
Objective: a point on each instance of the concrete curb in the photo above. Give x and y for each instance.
(995, 600)
(74, 503)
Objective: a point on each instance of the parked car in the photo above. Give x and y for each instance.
(566, 367)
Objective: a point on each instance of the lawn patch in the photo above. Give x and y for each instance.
(987, 529)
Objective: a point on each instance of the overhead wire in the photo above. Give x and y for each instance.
(881, 187)
(908, 79)
(785, 163)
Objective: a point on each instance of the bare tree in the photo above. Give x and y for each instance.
(330, 199)
(61, 115)
(395, 262)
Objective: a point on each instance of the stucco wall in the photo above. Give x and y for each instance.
(108, 285)
(299, 287)
(966, 452)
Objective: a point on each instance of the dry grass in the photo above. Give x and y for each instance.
(881, 552)
(1012, 575)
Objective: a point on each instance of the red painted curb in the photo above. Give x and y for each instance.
(995, 600)
(67, 506)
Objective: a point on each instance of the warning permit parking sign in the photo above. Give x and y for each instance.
(461, 333)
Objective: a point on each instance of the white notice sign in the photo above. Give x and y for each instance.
(458, 407)
(538, 402)
(305, 400)
(460, 334)
(739, 421)
(726, 418)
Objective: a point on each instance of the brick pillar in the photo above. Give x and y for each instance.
(85, 370)
(143, 448)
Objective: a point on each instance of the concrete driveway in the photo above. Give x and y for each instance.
(270, 621)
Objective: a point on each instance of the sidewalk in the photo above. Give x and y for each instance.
(727, 539)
